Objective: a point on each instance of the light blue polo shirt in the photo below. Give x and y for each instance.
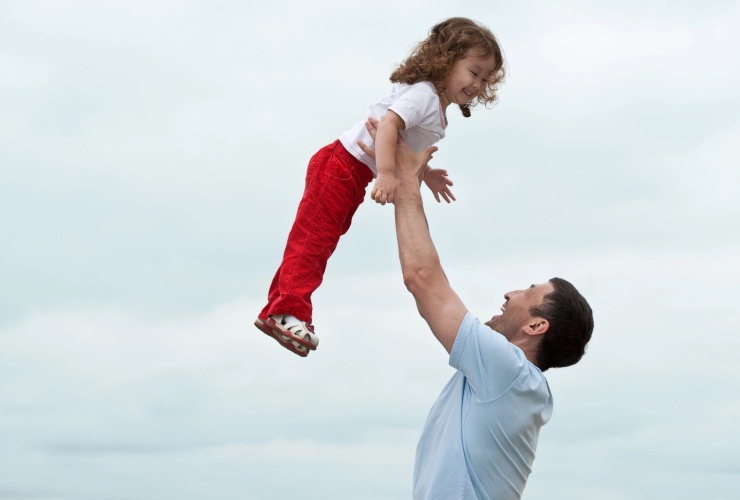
(480, 438)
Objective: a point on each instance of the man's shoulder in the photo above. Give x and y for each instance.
(472, 329)
(492, 365)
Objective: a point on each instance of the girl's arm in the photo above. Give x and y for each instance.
(438, 183)
(385, 157)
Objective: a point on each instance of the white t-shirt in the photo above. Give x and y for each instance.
(422, 114)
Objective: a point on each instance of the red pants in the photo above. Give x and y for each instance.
(335, 187)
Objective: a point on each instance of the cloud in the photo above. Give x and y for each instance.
(92, 386)
(152, 157)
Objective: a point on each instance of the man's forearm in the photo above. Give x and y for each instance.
(437, 302)
(418, 256)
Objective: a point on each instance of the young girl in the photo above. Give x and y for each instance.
(459, 63)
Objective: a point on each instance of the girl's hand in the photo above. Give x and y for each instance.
(384, 189)
(439, 184)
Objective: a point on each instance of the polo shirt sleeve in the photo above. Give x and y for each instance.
(490, 363)
(414, 103)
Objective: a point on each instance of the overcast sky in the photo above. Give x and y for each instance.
(152, 156)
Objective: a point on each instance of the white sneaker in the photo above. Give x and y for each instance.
(298, 337)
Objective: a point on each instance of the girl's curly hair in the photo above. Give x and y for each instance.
(448, 42)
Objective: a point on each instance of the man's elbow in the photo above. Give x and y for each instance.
(416, 279)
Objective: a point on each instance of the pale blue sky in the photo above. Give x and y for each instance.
(152, 155)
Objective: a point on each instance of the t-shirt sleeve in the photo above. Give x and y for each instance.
(414, 103)
(490, 363)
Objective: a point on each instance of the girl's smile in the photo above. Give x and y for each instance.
(468, 77)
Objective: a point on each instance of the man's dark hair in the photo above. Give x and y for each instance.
(571, 324)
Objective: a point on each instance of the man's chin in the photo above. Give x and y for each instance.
(491, 323)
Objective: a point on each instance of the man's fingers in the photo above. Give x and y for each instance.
(429, 152)
(371, 124)
(368, 151)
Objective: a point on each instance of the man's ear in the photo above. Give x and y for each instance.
(538, 326)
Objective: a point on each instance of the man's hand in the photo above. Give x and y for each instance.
(439, 184)
(408, 163)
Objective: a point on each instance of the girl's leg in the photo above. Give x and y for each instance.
(335, 187)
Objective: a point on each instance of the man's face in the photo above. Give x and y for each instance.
(515, 311)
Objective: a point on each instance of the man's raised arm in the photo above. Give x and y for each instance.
(437, 302)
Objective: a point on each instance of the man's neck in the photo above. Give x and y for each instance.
(529, 349)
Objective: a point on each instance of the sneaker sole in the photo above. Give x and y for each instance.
(280, 338)
(288, 335)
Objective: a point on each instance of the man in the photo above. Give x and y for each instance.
(480, 437)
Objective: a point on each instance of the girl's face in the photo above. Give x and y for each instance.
(468, 78)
